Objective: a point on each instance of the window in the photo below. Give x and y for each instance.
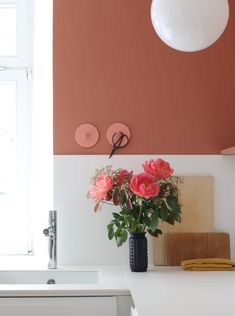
(15, 126)
(26, 161)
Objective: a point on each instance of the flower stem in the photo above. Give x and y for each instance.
(141, 204)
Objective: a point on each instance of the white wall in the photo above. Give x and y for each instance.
(82, 235)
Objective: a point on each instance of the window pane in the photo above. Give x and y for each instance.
(13, 208)
(7, 135)
(8, 13)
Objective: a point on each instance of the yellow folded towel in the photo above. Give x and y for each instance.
(210, 269)
(208, 260)
(208, 264)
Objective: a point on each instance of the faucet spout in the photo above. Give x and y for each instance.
(51, 233)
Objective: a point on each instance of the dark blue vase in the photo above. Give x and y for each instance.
(138, 252)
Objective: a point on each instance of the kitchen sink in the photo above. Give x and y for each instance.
(49, 277)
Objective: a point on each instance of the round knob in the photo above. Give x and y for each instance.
(46, 231)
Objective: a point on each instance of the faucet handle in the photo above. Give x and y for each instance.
(49, 231)
(46, 232)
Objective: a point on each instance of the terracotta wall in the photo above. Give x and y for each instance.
(110, 66)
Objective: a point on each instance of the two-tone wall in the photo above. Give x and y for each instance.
(110, 66)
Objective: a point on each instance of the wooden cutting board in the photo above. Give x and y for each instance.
(196, 199)
(184, 246)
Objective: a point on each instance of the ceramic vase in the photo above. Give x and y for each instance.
(138, 252)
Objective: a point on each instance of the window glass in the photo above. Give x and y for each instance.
(7, 135)
(8, 21)
(14, 180)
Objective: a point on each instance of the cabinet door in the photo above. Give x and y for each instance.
(59, 306)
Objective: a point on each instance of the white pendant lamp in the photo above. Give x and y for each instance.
(189, 25)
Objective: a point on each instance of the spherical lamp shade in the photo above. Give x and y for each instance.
(189, 25)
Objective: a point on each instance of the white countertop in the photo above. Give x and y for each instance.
(165, 290)
(172, 291)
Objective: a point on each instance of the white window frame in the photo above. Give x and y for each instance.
(43, 200)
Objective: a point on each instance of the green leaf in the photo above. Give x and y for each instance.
(177, 217)
(117, 223)
(146, 221)
(124, 235)
(121, 237)
(156, 233)
(173, 203)
(163, 211)
(154, 221)
(110, 232)
(119, 241)
(170, 220)
(109, 225)
(116, 215)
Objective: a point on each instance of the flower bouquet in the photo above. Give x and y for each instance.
(143, 199)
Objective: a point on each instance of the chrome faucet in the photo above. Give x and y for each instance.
(51, 233)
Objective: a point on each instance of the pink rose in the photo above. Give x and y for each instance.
(158, 168)
(101, 187)
(123, 175)
(145, 185)
(97, 194)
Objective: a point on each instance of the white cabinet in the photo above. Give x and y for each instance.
(59, 306)
(124, 304)
(134, 311)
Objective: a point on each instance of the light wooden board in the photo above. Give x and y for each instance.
(196, 199)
